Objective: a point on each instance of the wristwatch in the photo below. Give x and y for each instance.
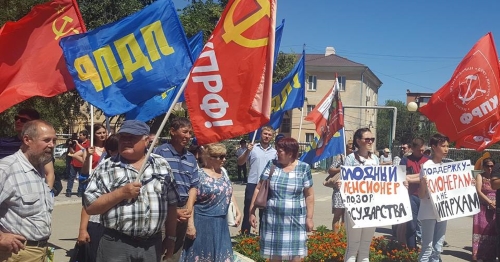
(172, 238)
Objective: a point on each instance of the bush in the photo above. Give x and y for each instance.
(325, 245)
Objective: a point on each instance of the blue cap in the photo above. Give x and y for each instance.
(279, 137)
(134, 127)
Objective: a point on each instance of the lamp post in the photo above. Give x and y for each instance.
(412, 107)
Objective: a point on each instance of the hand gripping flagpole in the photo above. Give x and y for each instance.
(150, 150)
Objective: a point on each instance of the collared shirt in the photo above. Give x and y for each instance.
(258, 159)
(26, 203)
(184, 167)
(144, 215)
(9, 146)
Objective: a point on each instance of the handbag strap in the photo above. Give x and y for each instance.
(271, 171)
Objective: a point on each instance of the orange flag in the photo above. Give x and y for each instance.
(31, 61)
(229, 88)
(469, 101)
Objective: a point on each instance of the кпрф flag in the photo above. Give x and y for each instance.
(119, 65)
(229, 88)
(31, 61)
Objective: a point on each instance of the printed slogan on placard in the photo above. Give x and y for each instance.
(452, 189)
(375, 195)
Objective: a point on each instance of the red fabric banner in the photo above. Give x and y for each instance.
(328, 116)
(31, 61)
(229, 88)
(469, 100)
(482, 139)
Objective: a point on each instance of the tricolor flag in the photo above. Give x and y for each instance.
(229, 89)
(317, 152)
(31, 61)
(468, 102)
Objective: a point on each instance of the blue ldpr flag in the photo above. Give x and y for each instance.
(334, 147)
(160, 104)
(119, 65)
(287, 94)
(277, 41)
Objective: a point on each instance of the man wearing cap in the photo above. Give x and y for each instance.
(133, 212)
(385, 159)
(257, 156)
(185, 170)
(26, 202)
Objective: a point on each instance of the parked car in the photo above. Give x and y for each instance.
(60, 150)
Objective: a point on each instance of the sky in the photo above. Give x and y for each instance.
(413, 45)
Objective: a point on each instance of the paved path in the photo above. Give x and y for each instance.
(66, 217)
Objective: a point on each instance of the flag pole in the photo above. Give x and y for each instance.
(300, 124)
(155, 139)
(254, 135)
(91, 135)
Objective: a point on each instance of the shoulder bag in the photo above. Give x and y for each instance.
(231, 212)
(261, 199)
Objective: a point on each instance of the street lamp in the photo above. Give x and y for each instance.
(412, 107)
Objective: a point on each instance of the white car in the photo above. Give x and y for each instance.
(60, 150)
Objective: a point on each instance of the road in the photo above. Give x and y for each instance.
(66, 217)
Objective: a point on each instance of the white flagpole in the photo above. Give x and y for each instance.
(91, 135)
(300, 124)
(254, 135)
(150, 150)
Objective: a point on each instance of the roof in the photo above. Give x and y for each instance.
(330, 60)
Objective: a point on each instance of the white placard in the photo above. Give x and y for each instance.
(375, 195)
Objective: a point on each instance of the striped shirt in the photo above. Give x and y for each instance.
(26, 203)
(184, 167)
(144, 215)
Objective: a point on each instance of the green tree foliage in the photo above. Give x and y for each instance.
(202, 16)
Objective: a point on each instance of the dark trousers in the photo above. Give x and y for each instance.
(497, 222)
(245, 224)
(242, 168)
(73, 173)
(412, 225)
(118, 247)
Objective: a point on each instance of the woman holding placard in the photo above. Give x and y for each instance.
(484, 234)
(432, 230)
(359, 239)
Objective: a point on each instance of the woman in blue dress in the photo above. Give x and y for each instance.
(208, 236)
(290, 205)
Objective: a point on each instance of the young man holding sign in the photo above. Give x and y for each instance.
(432, 231)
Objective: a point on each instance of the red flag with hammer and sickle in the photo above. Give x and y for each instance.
(229, 88)
(31, 61)
(469, 101)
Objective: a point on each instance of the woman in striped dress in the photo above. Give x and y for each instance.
(290, 205)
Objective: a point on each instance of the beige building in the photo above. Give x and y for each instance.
(359, 87)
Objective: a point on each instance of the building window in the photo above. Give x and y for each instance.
(310, 108)
(309, 137)
(341, 80)
(311, 83)
(285, 125)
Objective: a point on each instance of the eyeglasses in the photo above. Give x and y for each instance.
(490, 166)
(368, 140)
(22, 119)
(404, 148)
(221, 157)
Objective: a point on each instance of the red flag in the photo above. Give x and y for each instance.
(31, 61)
(469, 100)
(328, 116)
(229, 88)
(482, 139)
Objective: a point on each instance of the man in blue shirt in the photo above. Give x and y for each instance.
(185, 170)
(258, 156)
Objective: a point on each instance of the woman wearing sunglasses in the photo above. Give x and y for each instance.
(207, 237)
(484, 230)
(359, 239)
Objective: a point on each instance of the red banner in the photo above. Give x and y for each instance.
(229, 88)
(328, 116)
(469, 100)
(31, 61)
(482, 139)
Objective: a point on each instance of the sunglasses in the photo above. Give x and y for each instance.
(404, 148)
(368, 140)
(22, 119)
(221, 157)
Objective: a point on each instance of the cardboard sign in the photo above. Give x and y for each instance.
(375, 195)
(452, 189)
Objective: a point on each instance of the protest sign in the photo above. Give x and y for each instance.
(452, 189)
(375, 195)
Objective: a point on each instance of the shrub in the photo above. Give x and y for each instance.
(325, 245)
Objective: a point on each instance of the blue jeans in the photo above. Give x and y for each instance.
(432, 240)
(73, 173)
(412, 225)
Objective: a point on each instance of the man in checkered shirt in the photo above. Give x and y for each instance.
(133, 212)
